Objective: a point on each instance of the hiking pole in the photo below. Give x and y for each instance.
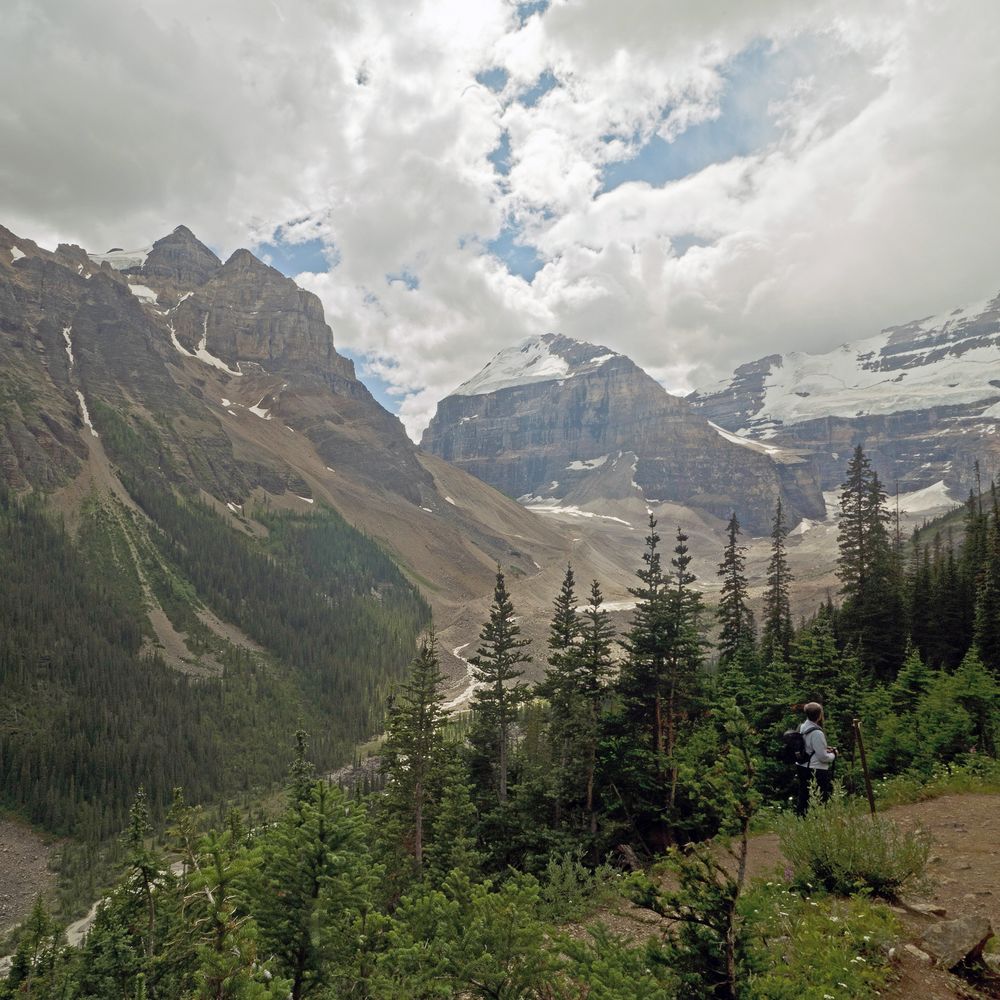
(856, 723)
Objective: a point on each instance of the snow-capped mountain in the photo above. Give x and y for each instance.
(537, 359)
(923, 398)
(564, 425)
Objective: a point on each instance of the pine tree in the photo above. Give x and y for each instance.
(311, 886)
(987, 595)
(559, 689)
(452, 845)
(593, 674)
(146, 866)
(735, 617)
(870, 575)
(414, 743)
(978, 692)
(660, 680)
(911, 683)
(776, 631)
(496, 671)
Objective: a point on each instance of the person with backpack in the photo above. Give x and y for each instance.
(813, 757)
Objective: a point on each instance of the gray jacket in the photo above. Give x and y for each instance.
(822, 757)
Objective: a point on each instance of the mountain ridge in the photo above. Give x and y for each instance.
(922, 397)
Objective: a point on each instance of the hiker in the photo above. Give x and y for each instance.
(818, 760)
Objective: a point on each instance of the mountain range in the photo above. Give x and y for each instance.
(166, 399)
(922, 398)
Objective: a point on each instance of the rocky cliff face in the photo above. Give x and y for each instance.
(922, 398)
(224, 379)
(558, 420)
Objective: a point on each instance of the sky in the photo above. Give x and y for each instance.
(694, 184)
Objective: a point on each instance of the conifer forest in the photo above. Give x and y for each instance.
(477, 858)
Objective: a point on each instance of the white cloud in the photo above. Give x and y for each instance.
(873, 202)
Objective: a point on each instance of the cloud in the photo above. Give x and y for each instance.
(803, 172)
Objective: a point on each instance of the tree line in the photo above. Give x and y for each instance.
(449, 878)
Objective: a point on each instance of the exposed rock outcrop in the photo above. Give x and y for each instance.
(223, 380)
(952, 942)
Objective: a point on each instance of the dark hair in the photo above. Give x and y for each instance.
(814, 711)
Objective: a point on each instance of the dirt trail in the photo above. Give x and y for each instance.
(965, 879)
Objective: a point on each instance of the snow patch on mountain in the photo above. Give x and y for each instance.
(202, 354)
(143, 293)
(810, 386)
(536, 359)
(525, 363)
(952, 359)
(122, 260)
(257, 411)
(758, 446)
(85, 413)
(16, 253)
(930, 500)
(67, 337)
(586, 464)
(552, 505)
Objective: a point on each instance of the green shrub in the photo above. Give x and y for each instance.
(841, 848)
(570, 890)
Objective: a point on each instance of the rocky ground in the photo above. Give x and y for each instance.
(24, 870)
(964, 881)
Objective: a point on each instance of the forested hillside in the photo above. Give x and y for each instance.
(90, 709)
(483, 834)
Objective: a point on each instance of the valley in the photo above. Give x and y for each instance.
(184, 449)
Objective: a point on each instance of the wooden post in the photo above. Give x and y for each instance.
(856, 723)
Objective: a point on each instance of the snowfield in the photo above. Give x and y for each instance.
(525, 363)
(121, 260)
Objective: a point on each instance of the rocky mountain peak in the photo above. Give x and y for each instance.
(547, 358)
(180, 259)
(552, 420)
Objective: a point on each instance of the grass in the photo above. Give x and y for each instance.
(816, 947)
(976, 773)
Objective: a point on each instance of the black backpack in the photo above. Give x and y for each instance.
(793, 746)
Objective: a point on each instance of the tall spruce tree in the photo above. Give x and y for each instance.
(872, 613)
(595, 665)
(736, 622)
(496, 669)
(311, 888)
(776, 631)
(660, 679)
(559, 689)
(414, 744)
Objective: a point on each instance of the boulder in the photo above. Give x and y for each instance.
(951, 942)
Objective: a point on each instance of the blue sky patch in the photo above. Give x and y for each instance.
(294, 258)
(494, 79)
(500, 157)
(377, 386)
(526, 9)
(546, 82)
(518, 257)
(404, 277)
(753, 79)
(682, 242)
